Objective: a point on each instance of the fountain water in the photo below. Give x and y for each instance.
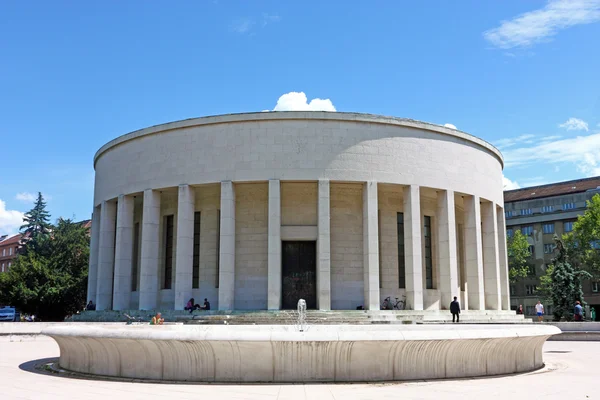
(301, 321)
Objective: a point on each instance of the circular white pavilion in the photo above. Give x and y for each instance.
(255, 211)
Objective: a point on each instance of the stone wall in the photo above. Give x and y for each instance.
(347, 281)
(299, 203)
(251, 230)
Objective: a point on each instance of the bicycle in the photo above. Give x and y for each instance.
(134, 320)
(388, 304)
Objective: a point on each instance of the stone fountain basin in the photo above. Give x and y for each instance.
(280, 353)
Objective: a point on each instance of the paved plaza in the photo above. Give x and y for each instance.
(571, 373)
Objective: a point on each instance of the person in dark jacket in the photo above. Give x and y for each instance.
(455, 310)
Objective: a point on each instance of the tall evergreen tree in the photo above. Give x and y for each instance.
(36, 222)
(565, 287)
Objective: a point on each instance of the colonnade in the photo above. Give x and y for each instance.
(485, 281)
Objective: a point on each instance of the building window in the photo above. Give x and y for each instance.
(595, 287)
(568, 206)
(428, 253)
(3, 252)
(568, 226)
(548, 228)
(401, 260)
(10, 251)
(9, 264)
(527, 230)
(509, 232)
(196, 259)
(548, 248)
(531, 270)
(549, 309)
(2, 267)
(595, 244)
(529, 310)
(218, 247)
(512, 290)
(532, 251)
(135, 255)
(510, 213)
(526, 211)
(530, 289)
(547, 209)
(168, 252)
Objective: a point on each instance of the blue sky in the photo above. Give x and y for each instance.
(74, 75)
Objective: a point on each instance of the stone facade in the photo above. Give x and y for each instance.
(369, 207)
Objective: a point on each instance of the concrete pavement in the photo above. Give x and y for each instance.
(570, 372)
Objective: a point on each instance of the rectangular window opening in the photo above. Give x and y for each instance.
(428, 253)
(168, 280)
(196, 256)
(135, 256)
(401, 260)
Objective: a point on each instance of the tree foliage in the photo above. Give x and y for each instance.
(518, 256)
(50, 280)
(565, 286)
(36, 223)
(583, 243)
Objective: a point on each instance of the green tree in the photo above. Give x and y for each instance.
(583, 244)
(565, 287)
(50, 281)
(36, 223)
(518, 256)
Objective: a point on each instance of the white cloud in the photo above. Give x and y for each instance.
(451, 126)
(242, 25)
(26, 197)
(269, 18)
(582, 151)
(508, 142)
(540, 25)
(10, 220)
(575, 124)
(297, 101)
(508, 184)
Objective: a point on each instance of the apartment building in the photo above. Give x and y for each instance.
(540, 212)
(9, 247)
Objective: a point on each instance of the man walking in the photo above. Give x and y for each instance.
(455, 310)
(539, 310)
(578, 311)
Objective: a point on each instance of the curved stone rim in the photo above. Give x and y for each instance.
(298, 115)
(288, 333)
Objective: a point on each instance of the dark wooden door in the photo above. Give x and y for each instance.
(299, 274)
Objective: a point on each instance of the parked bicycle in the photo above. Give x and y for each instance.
(389, 304)
(134, 320)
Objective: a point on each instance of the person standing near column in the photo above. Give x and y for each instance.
(455, 310)
(539, 309)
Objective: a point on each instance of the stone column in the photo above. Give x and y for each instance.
(412, 247)
(184, 250)
(227, 251)
(473, 258)
(274, 246)
(324, 247)
(106, 256)
(504, 283)
(370, 246)
(123, 253)
(491, 261)
(448, 259)
(150, 250)
(93, 268)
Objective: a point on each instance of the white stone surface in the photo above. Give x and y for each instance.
(274, 246)
(123, 254)
(184, 256)
(324, 247)
(106, 256)
(412, 247)
(150, 251)
(491, 257)
(503, 258)
(474, 256)
(447, 257)
(565, 362)
(227, 247)
(93, 267)
(282, 354)
(371, 246)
